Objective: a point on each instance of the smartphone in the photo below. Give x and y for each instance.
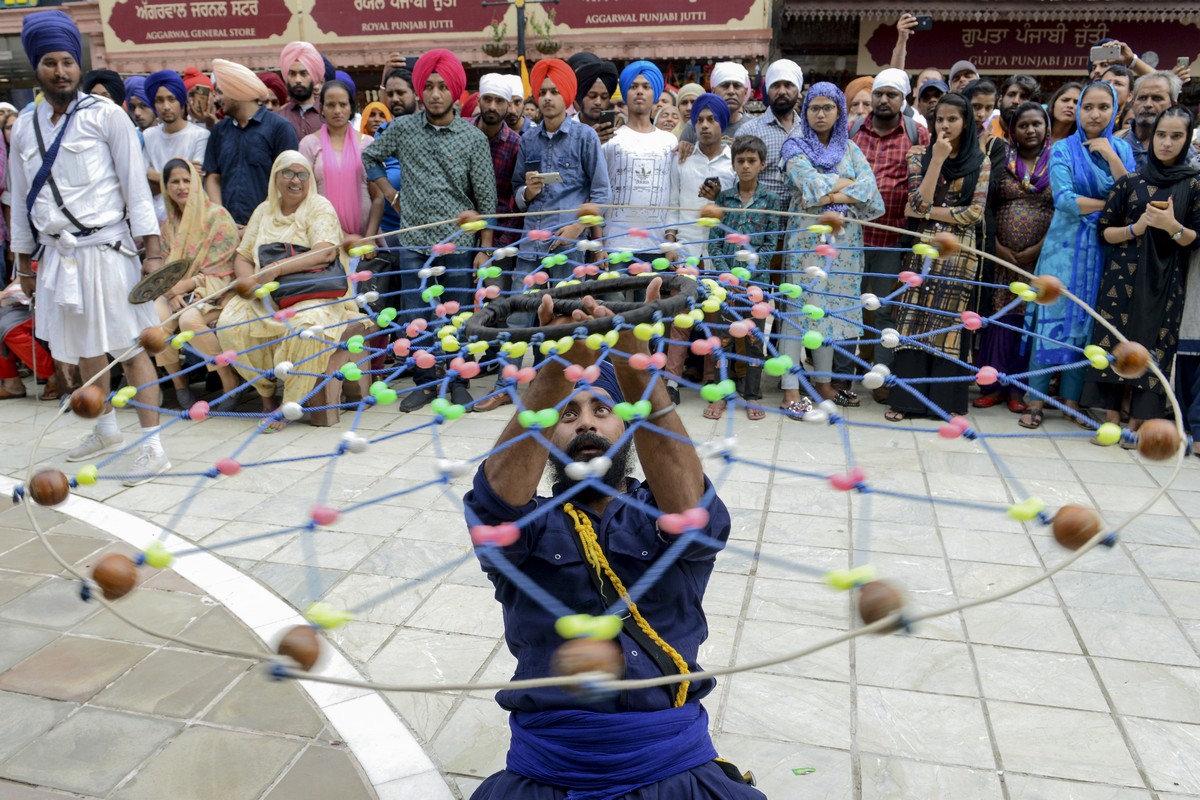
(1159, 204)
(609, 116)
(1106, 52)
(1182, 61)
(924, 23)
(550, 177)
(533, 166)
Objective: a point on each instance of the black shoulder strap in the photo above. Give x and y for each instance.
(37, 130)
(856, 126)
(608, 593)
(910, 127)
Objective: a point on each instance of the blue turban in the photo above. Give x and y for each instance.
(718, 107)
(647, 69)
(607, 381)
(168, 78)
(45, 32)
(136, 87)
(345, 78)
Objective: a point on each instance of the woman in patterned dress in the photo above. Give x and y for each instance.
(1024, 207)
(1142, 289)
(947, 191)
(828, 173)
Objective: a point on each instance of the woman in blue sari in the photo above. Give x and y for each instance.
(1083, 168)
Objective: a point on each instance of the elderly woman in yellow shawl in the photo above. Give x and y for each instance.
(202, 232)
(294, 213)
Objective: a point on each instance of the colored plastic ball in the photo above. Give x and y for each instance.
(88, 402)
(49, 487)
(1074, 526)
(947, 244)
(302, 645)
(116, 575)
(833, 220)
(1109, 433)
(292, 411)
(1130, 360)
(588, 210)
(153, 339)
(1049, 289)
(712, 211)
(878, 600)
(1158, 439)
(580, 656)
(245, 287)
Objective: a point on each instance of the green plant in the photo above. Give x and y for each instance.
(544, 28)
(499, 30)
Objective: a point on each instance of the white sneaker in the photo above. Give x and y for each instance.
(149, 463)
(95, 444)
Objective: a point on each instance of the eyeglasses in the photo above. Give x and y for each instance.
(823, 109)
(291, 174)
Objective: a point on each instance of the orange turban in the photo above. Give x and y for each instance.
(857, 85)
(560, 73)
(237, 82)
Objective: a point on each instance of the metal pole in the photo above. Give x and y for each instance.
(520, 4)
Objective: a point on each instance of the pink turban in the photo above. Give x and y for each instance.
(445, 64)
(308, 56)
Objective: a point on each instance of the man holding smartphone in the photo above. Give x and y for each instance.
(597, 80)
(709, 170)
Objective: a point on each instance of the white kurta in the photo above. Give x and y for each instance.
(686, 180)
(82, 306)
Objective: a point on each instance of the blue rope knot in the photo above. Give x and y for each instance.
(1044, 518)
(85, 591)
(970, 434)
(279, 672)
(18, 492)
(1110, 540)
(212, 472)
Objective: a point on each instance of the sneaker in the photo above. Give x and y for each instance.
(673, 393)
(95, 444)
(461, 395)
(149, 463)
(417, 398)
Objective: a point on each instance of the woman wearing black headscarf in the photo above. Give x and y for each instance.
(948, 185)
(1150, 220)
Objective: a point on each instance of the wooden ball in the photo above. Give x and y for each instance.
(1048, 287)
(1158, 439)
(245, 287)
(469, 216)
(947, 243)
(712, 211)
(302, 645)
(834, 220)
(49, 487)
(877, 600)
(577, 656)
(588, 210)
(1130, 360)
(116, 575)
(88, 402)
(1074, 526)
(153, 339)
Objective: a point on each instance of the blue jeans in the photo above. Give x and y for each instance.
(459, 280)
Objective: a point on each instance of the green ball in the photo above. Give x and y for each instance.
(711, 392)
(813, 340)
(351, 372)
(780, 365)
(660, 264)
(385, 397)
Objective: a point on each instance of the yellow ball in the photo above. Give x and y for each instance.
(684, 321)
(1108, 433)
(87, 475)
(594, 342)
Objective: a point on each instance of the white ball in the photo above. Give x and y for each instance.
(283, 368)
(743, 255)
(370, 297)
(873, 380)
(600, 465)
(587, 244)
(355, 443)
(816, 415)
(435, 271)
(889, 338)
(292, 411)
(882, 369)
(816, 273)
(828, 406)
(716, 448)
(307, 333)
(753, 259)
(424, 273)
(578, 470)
(453, 467)
(504, 252)
(870, 302)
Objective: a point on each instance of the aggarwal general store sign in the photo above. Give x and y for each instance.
(1004, 47)
(141, 25)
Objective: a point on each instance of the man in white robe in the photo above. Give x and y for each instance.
(88, 261)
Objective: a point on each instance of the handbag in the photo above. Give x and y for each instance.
(323, 283)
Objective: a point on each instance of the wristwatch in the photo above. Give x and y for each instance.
(1177, 234)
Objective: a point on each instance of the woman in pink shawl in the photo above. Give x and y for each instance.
(334, 152)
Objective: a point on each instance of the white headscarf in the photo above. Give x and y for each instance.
(496, 85)
(894, 79)
(785, 70)
(726, 71)
(516, 87)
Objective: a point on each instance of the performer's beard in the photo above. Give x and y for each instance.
(615, 476)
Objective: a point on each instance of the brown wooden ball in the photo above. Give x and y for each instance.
(877, 600)
(88, 402)
(947, 243)
(577, 656)
(49, 487)
(153, 339)
(302, 645)
(1130, 360)
(712, 211)
(245, 286)
(1049, 289)
(834, 220)
(469, 216)
(1158, 439)
(116, 575)
(1074, 526)
(588, 210)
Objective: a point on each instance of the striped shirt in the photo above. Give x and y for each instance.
(888, 157)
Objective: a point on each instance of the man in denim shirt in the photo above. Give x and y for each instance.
(565, 146)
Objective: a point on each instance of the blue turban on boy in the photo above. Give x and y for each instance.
(45, 32)
(168, 78)
(718, 107)
(646, 69)
(136, 87)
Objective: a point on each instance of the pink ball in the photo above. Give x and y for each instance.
(540, 278)
(499, 535)
(695, 518)
(452, 307)
(638, 267)
(672, 523)
(361, 275)
(739, 329)
(972, 321)
(467, 369)
(226, 358)
(574, 372)
(737, 238)
(526, 374)
(444, 248)
(760, 310)
(826, 250)
(948, 431)
(323, 515)
(284, 313)
(400, 347)
(846, 481)
(491, 292)
(702, 347)
(729, 278)
(754, 294)
(639, 361)
(640, 233)
(579, 272)
(986, 376)
(911, 278)
(509, 372)
(658, 361)
(198, 411)
(540, 235)
(416, 328)
(227, 466)
(425, 359)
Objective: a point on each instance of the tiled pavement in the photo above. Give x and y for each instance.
(1086, 686)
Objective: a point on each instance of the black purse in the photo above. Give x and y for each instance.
(323, 283)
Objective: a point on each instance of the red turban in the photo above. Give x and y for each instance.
(470, 105)
(445, 64)
(560, 73)
(193, 77)
(275, 84)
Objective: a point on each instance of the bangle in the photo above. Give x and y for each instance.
(662, 412)
(26, 274)
(1132, 235)
(153, 258)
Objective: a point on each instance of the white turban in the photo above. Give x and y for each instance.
(785, 70)
(892, 78)
(516, 87)
(495, 85)
(726, 71)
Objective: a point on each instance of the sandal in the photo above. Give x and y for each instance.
(894, 416)
(1035, 416)
(987, 401)
(755, 413)
(715, 410)
(847, 398)
(1017, 406)
(5, 394)
(797, 408)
